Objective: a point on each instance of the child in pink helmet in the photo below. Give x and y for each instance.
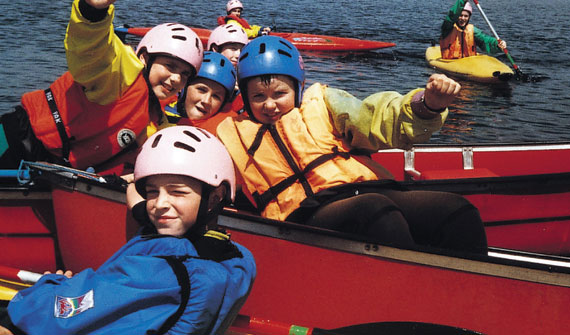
(181, 275)
(459, 38)
(109, 101)
(234, 10)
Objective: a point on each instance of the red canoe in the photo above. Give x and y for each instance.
(325, 279)
(307, 42)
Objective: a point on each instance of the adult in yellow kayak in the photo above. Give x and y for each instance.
(459, 38)
(234, 10)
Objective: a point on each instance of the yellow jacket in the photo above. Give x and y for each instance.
(308, 149)
(106, 67)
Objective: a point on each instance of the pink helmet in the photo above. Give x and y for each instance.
(468, 8)
(176, 40)
(227, 33)
(233, 4)
(187, 151)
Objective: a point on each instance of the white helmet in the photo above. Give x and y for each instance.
(227, 33)
(232, 4)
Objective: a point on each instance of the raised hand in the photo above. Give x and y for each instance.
(440, 91)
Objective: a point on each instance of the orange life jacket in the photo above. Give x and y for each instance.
(458, 43)
(300, 155)
(224, 19)
(86, 132)
(211, 123)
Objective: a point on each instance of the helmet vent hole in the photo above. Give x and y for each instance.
(178, 37)
(194, 137)
(184, 146)
(198, 44)
(244, 56)
(205, 133)
(222, 63)
(156, 140)
(262, 48)
(285, 53)
(286, 44)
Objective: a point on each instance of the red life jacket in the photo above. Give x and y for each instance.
(224, 19)
(86, 132)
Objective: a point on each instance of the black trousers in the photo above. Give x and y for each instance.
(22, 141)
(397, 217)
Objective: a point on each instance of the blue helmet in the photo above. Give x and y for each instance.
(218, 68)
(267, 55)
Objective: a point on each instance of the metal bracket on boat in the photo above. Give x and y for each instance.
(468, 158)
(409, 164)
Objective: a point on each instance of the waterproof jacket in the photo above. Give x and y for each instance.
(311, 148)
(155, 284)
(487, 43)
(252, 31)
(97, 109)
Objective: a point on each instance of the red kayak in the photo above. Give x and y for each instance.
(306, 42)
(325, 279)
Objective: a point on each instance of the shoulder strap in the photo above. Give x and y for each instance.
(65, 143)
(184, 280)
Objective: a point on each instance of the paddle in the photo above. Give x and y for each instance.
(518, 73)
(259, 326)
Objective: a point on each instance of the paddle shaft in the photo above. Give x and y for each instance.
(497, 36)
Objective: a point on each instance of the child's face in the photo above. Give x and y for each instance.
(204, 97)
(172, 203)
(232, 51)
(236, 12)
(168, 76)
(270, 101)
(463, 19)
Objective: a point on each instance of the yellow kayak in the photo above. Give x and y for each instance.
(480, 68)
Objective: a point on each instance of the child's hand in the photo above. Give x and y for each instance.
(440, 91)
(100, 4)
(67, 273)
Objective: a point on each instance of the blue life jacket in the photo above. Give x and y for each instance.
(153, 285)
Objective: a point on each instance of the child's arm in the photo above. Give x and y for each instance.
(390, 120)
(96, 57)
(452, 17)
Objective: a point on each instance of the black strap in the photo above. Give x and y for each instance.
(177, 265)
(65, 142)
(262, 200)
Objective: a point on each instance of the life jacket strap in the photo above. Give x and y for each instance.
(65, 141)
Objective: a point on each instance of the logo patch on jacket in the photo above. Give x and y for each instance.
(67, 307)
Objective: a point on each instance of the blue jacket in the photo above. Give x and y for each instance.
(153, 285)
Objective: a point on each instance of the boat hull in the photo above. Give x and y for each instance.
(479, 68)
(326, 279)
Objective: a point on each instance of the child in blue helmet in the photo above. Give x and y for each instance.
(303, 156)
(178, 277)
(210, 93)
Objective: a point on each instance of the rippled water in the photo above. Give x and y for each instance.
(32, 55)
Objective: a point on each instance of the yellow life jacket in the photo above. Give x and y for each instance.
(458, 43)
(298, 156)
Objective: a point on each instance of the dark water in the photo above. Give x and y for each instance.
(32, 55)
